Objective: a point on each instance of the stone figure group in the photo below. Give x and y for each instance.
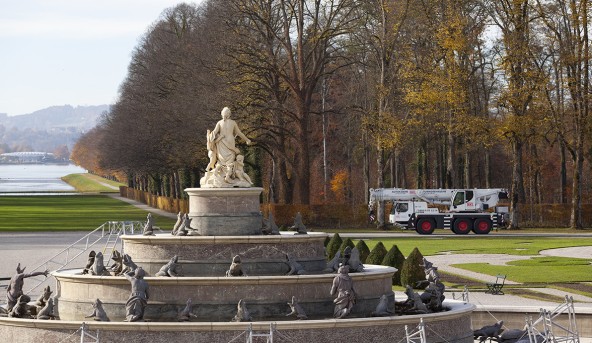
(15, 286)
(226, 165)
(17, 303)
(431, 299)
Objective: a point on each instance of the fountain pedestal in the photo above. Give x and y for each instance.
(225, 211)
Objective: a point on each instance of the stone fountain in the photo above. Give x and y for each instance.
(226, 222)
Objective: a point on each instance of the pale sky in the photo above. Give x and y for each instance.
(76, 52)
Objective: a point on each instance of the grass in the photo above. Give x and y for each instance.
(541, 270)
(68, 212)
(90, 183)
(479, 244)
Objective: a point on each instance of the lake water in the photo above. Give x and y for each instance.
(29, 178)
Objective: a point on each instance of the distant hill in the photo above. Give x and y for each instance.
(49, 128)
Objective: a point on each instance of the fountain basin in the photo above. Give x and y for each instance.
(453, 325)
(212, 255)
(216, 298)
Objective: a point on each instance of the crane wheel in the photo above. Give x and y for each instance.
(425, 226)
(482, 226)
(462, 226)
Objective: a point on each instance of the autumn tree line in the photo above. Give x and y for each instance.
(345, 95)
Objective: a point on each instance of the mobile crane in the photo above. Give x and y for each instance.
(469, 209)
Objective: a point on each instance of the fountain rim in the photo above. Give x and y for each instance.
(372, 272)
(456, 308)
(284, 236)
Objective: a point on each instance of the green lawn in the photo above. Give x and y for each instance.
(543, 270)
(538, 270)
(90, 183)
(474, 244)
(68, 212)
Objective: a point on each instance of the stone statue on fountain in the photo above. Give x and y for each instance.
(138, 299)
(225, 168)
(15, 287)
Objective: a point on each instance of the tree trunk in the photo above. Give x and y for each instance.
(517, 193)
(450, 175)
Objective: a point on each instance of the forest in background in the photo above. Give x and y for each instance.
(345, 95)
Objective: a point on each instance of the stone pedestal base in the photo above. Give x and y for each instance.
(225, 211)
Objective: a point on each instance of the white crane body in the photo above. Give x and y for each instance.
(469, 209)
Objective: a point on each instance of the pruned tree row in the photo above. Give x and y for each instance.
(343, 96)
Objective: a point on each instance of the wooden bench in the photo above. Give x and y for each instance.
(496, 287)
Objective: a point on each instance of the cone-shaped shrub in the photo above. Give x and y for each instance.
(327, 240)
(363, 249)
(347, 243)
(333, 246)
(412, 272)
(377, 254)
(395, 258)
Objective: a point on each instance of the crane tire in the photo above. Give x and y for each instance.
(482, 226)
(462, 226)
(425, 226)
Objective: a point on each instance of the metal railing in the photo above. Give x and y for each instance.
(108, 232)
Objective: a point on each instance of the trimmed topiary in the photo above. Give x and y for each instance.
(347, 243)
(412, 272)
(333, 246)
(363, 249)
(395, 258)
(377, 254)
(327, 240)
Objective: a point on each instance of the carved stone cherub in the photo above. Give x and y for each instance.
(236, 268)
(98, 313)
(171, 269)
(296, 309)
(238, 169)
(242, 313)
